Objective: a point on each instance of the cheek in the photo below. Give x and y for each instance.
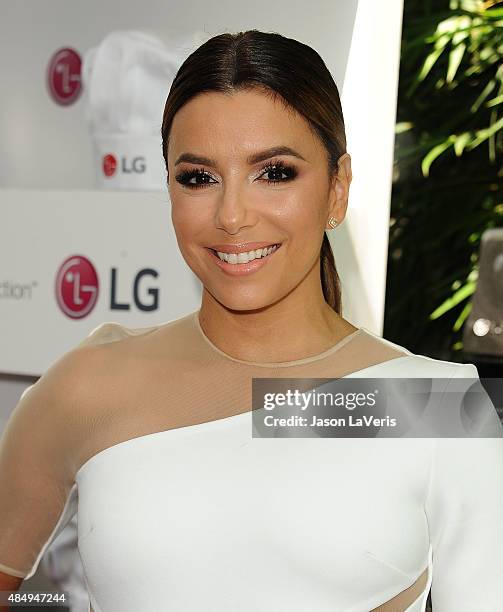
(301, 215)
(190, 220)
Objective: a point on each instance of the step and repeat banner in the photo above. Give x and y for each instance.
(85, 215)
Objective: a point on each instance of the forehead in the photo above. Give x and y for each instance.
(239, 123)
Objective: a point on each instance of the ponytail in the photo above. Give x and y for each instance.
(330, 281)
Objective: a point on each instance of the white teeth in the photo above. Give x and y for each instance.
(235, 258)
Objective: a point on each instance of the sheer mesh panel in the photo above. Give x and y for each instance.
(122, 383)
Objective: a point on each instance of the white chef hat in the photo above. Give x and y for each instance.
(126, 79)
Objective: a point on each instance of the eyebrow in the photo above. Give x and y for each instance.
(191, 158)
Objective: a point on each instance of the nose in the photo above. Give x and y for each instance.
(232, 212)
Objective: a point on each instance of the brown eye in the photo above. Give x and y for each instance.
(277, 169)
(199, 174)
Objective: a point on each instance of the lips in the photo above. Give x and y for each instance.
(242, 247)
(242, 269)
(257, 254)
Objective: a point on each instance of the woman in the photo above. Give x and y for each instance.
(149, 431)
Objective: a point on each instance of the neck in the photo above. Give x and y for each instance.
(283, 331)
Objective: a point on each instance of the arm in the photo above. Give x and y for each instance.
(38, 452)
(8, 583)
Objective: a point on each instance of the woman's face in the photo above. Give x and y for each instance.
(228, 189)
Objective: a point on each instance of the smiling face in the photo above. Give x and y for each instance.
(227, 187)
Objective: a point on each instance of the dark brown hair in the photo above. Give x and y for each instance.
(283, 68)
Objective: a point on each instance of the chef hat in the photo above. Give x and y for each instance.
(127, 78)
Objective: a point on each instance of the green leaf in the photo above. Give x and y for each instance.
(494, 101)
(429, 62)
(484, 134)
(460, 321)
(485, 92)
(404, 126)
(430, 157)
(455, 57)
(461, 141)
(493, 13)
(461, 294)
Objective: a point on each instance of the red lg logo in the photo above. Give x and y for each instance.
(109, 165)
(128, 166)
(63, 76)
(77, 287)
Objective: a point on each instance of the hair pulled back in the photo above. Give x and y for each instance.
(285, 69)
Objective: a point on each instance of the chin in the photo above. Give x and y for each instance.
(242, 303)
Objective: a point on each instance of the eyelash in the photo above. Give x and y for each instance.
(277, 166)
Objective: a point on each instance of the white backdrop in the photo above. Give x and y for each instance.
(50, 211)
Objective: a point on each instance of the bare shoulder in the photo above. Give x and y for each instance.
(61, 393)
(84, 377)
(54, 415)
(113, 358)
(108, 357)
(112, 368)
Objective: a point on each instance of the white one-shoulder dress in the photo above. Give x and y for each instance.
(181, 508)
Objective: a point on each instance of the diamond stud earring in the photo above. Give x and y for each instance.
(333, 222)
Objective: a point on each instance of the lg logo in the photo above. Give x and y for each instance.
(77, 288)
(109, 165)
(63, 76)
(136, 165)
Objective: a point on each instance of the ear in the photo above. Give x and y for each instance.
(339, 188)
